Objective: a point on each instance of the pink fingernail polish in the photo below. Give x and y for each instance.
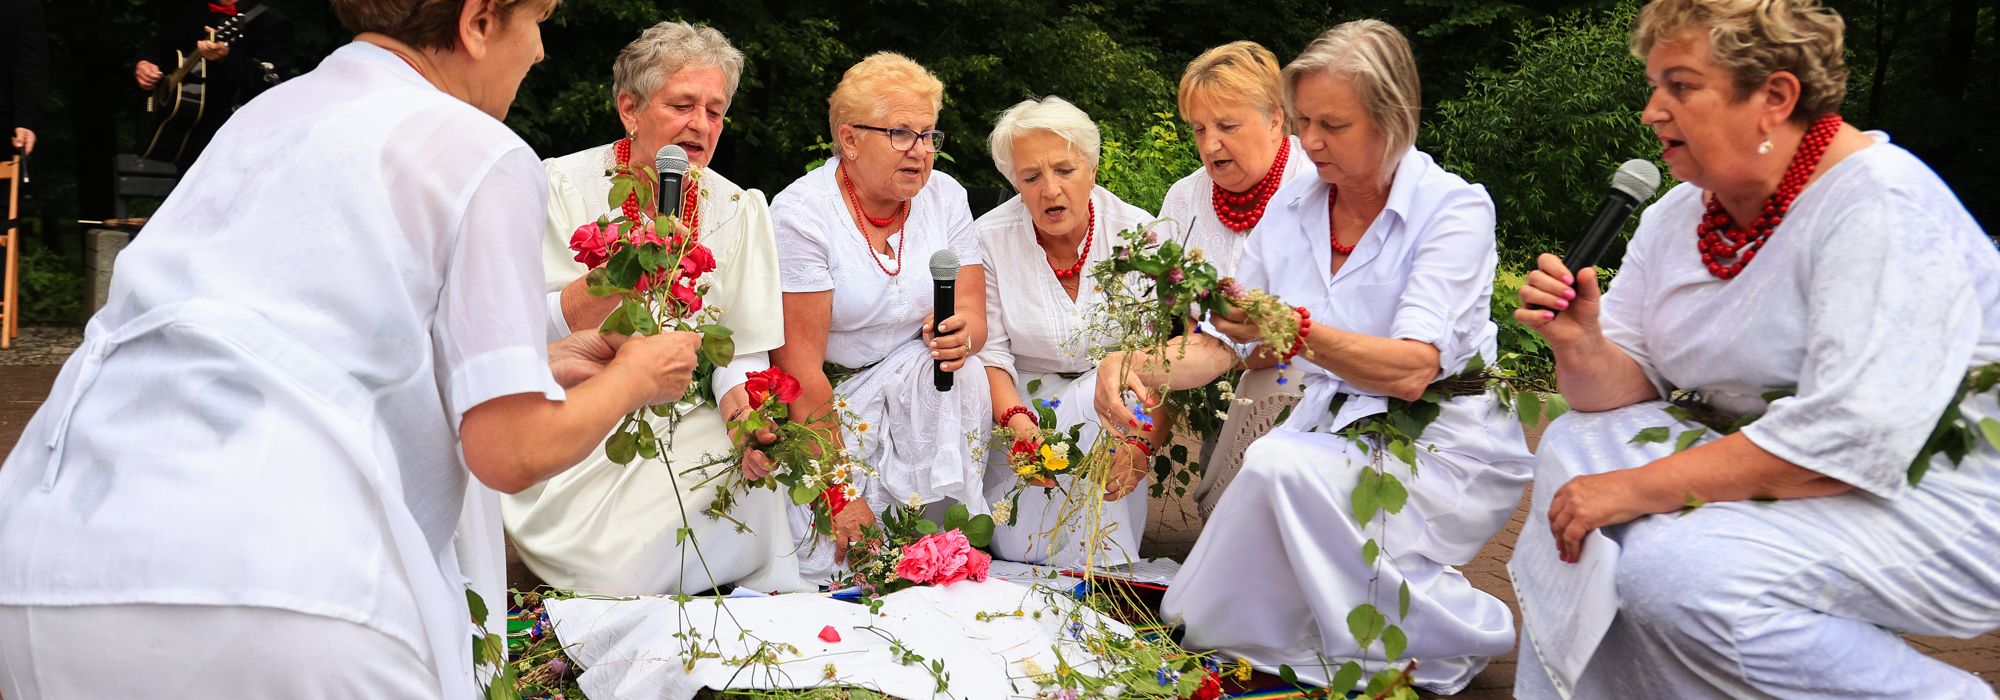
(1562, 304)
(1569, 279)
(1569, 294)
(1548, 315)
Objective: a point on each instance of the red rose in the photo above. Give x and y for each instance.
(592, 243)
(1211, 688)
(697, 261)
(836, 499)
(683, 291)
(771, 382)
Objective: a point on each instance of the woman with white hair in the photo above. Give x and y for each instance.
(1039, 247)
(609, 528)
(1231, 100)
(1392, 259)
(856, 236)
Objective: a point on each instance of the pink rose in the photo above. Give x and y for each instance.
(977, 566)
(919, 562)
(697, 261)
(592, 243)
(684, 292)
(645, 235)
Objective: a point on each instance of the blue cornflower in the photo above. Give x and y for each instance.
(1055, 404)
(1167, 676)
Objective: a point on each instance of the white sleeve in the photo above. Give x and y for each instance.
(491, 323)
(1891, 318)
(737, 372)
(1448, 295)
(558, 326)
(999, 350)
(804, 262)
(1623, 314)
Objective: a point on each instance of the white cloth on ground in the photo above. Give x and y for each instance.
(286, 360)
(1422, 271)
(628, 649)
(614, 529)
(63, 652)
(1191, 203)
(919, 440)
(1873, 298)
(1038, 334)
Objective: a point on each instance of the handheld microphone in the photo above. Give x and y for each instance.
(1635, 182)
(672, 165)
(944, 281)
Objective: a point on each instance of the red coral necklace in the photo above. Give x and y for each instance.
(1089, 233)
(900, 218)
(1241, 212)
(690, 205)
(1720, 239)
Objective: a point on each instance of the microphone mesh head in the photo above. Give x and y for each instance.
(671, 159)
(1637, 178)
(944, 265)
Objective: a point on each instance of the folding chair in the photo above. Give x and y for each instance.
(10, 290)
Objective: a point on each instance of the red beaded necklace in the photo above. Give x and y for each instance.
(902, 214)
(690, 205)
(1089, 233)
(1332, 234)
(1241, 212)
(1721, 239)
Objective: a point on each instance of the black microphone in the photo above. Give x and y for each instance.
(944, 280)
(672, 165)
(1635, 182)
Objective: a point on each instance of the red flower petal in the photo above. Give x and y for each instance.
(828, 635)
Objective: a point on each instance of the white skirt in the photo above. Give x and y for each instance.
(202, 651)
(612, 529)
(919, 440)
(1794, 598)
(1055, 526)
(1278, 567)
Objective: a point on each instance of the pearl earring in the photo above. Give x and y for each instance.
(1764, 148)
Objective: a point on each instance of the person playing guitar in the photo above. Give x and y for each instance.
(254, 55)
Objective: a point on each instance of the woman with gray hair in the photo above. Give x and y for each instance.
(1392, 259)
(1038, 249)
(1827, 302)
(604, 527)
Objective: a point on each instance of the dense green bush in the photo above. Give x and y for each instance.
(1545, 133)
(51, 287)
(1141, 162)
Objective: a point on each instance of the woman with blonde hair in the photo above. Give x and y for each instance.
(1231, 100)
(1392, 260)
(1038, 249)
(856, 237)
(1824, 286)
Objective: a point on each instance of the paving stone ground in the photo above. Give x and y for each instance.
(27, 371)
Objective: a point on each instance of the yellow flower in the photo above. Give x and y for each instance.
(830, 672)
(1242, 672)
(1026, 470)
(862, 428)
(1055, 462)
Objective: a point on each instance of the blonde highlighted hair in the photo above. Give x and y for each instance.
(1239, 71)
(858, 98)
(1754, 39)
(1377, 60)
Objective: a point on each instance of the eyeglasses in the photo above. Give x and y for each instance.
(903, 139)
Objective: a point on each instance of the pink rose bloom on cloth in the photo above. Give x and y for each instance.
(919, 561)
(943, 558)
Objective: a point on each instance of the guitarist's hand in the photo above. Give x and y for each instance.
(147, 74)
(212, 50)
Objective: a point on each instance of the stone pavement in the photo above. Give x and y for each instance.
(27, 371)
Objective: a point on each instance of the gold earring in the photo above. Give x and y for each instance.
(1764, 148)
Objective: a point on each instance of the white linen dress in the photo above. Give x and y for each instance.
(919, 440)
(610, 528)
(266, 414)
(1278, 565)
(1191, 203)
(1038, 334)
(1872, 298)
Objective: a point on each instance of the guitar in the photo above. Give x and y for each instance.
(181, 102)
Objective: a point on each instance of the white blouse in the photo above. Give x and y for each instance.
(1872, 298)
(820, 249)
(1191, 203)
(1031, 322)
(267, 411)
(735, 225)
(1422, 271)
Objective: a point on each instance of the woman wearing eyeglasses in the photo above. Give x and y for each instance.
(855, 239)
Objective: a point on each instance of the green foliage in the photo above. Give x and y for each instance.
(1142, 161)
(52, 287)
(1544, 134)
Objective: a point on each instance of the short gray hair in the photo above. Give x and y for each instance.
(1051, 114)
(1377, 59)
(665, 48)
